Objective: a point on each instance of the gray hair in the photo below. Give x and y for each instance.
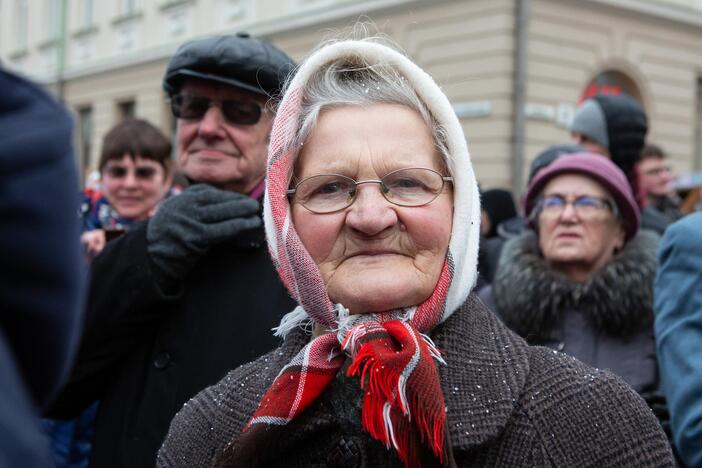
(353, 82)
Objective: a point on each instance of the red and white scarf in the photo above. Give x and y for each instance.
(403, 403)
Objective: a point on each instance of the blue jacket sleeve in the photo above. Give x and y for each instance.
(678, 328)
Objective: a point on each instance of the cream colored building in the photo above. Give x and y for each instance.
(514, 69)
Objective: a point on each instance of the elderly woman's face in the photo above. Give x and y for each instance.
(374, 255)
(580, 238)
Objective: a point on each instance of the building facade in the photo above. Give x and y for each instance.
(515, 70)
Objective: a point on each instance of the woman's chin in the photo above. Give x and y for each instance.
(377, 294)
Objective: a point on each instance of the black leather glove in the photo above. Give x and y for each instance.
(187, 225)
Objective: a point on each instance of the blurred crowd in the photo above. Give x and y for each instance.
(120, 326)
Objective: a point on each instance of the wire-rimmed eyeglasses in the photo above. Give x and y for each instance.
(585, 206)
(327, 193)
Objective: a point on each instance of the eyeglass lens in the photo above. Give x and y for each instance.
(584, 205)
(141, 173)
(326, 193)
(658, 171)
(236, 112)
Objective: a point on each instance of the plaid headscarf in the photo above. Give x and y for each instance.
(403, 403)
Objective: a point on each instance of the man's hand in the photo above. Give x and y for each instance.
(187, 225)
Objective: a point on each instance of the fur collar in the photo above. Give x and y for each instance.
(531, 297)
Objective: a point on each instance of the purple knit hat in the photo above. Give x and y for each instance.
(598, 168)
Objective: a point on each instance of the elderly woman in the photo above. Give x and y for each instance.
(582, 281)
(372, 217)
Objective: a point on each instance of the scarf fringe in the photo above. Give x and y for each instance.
(384, 415)
(433, 350)
(290, 321)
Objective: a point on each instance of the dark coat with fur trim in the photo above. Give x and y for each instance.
(606, 322)
(509, 404)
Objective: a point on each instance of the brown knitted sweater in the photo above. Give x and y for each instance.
(509, 404)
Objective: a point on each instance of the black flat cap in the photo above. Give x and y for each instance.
(238, 60)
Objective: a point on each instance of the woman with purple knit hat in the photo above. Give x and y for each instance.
(581, 280)
(372, 218)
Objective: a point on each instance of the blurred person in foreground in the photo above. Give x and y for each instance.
(655, 176)
(372, 216)
(185, 296)
(581, 281)
(615, 126)
(678, 327)
(41, 281)
(135, 174)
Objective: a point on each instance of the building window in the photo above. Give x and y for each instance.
(177, 22)
(21, 23)
(128, 7)
(82, 50)
(234, 9)
(52, 18)
(85, 138)
(86, 13)
(126, 110)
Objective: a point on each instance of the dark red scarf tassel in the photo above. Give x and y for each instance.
(379, 363)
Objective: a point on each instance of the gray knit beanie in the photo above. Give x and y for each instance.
(589, 120)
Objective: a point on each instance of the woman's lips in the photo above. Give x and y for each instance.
(568, 235)
(374, 253)
(129, 200)
(210, 153)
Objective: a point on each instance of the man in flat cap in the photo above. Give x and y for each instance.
(192, 293)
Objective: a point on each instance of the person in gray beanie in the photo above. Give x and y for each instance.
(191, 293)
(615, 126)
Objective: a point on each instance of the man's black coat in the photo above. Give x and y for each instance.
(145, 353)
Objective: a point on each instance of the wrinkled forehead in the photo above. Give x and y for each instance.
(575, 185)
(384, 134)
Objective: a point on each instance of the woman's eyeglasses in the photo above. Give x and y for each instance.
(586, 206)
(657, 171)
(120, 172)
(236, 112)
(327, 193)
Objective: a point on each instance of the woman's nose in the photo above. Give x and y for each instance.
(371, 213)
(568, 213)
(130, 179)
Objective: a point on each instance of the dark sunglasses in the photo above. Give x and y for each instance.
(235, 112)
(141, 173)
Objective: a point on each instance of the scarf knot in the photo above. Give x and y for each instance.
(403, 405)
